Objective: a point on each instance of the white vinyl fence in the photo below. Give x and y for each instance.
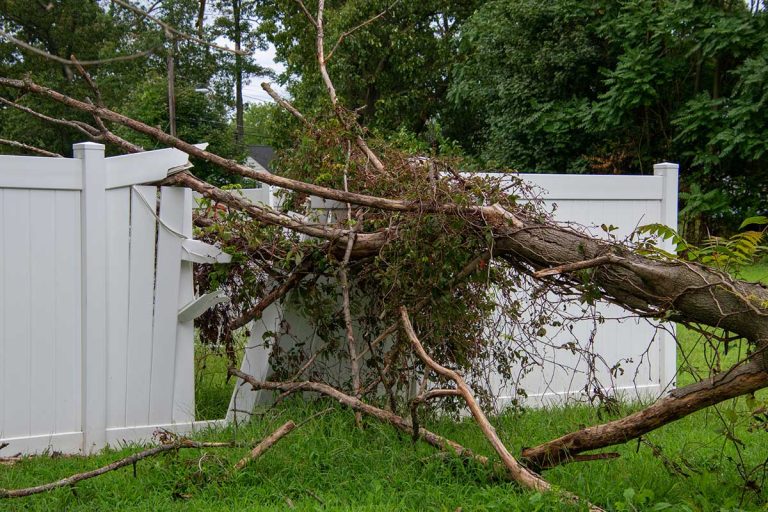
(645, 353)
(94, 271)
(97, 302)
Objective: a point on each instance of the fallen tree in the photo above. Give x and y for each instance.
(419, 234)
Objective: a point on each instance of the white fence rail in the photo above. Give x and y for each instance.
(646, 353)
(92, 276)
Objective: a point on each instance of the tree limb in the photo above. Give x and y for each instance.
(126, 461)
(265, 444)
(27, 147)
(517, 471)
(61, 60)
(174, 30)
(682, 402)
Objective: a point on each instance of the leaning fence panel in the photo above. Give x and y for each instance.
(92, 277)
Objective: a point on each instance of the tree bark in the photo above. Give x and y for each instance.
(681, 402)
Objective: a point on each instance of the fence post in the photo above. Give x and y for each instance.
(667, 345)
(94, 295)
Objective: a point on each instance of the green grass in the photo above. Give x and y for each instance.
(330, 465)
(212, 388)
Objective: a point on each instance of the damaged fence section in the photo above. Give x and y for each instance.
(94, 273)
(635, 358)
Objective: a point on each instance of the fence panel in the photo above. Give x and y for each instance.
(92, 278)
(40, 283)
(635, 358)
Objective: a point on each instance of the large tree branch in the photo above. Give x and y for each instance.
(322, 63)
(682, 402)
(61, 60)
(226, 164)
(519, 473)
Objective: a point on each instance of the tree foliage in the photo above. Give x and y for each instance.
(609, 87)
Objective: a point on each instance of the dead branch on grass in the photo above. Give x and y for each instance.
(517, 471)
(265, 444)
(176, 445)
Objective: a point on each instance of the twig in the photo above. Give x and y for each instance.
(274, 295)
(423, 397)
(265, 444)
(315, 416)
(127, 461)
(579, 265)
(354, 29)
(61, 60)
(27, 147)
(88, 79)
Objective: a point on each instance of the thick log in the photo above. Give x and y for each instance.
(680, 403)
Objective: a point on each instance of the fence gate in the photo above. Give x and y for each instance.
(94, 273)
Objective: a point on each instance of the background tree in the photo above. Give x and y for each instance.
(394, 72)
(608, 87)
(137, 85)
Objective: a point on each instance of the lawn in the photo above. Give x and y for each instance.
(328, 464)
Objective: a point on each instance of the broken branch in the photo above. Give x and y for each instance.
(265, 444)
(126, 461)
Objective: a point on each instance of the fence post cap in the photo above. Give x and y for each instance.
(81, 149)
(89, 146)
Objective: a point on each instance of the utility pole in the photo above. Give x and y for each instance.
(239, 123)
(171, 82)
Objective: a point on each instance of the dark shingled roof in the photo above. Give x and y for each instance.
(262, 154)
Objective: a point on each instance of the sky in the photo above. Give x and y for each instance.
(253, 93)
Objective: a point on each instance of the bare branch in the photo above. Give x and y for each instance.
(175, 31)
(321, 60)
(287, 105)
(580, 265)
(344, 283)
(307, 13)
(88, 130)
(276, 294)
(127, 461)
(61, 60)
(519, 473)
(682, 402)
(356, 404)
(88, 79)
(229, 165)
(265, 444)
(27, 147)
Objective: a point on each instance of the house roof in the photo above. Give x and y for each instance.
(262, 155)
